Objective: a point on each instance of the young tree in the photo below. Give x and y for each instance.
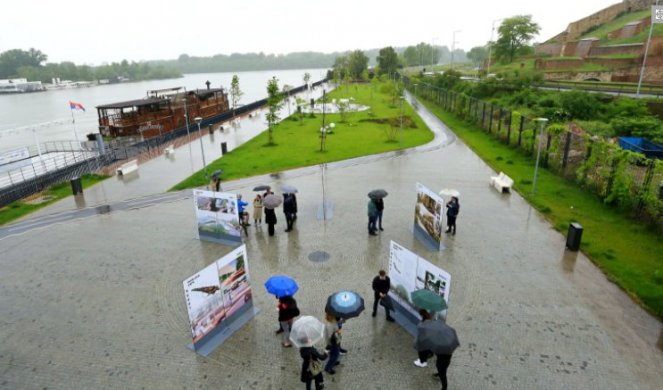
(477, 55)
(235, 92)
(307, 78)
(357, 63)
(514, 36)
(274, 104)
(387, 60)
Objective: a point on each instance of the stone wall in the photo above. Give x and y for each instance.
(630, 48)
(553, 49)
(558, 64)
(577, 28)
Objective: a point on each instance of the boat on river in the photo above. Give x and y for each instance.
(162, 111)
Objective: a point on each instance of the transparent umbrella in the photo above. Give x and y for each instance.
(449, 192)
(306, 331)
(272, 201)
(289, 189)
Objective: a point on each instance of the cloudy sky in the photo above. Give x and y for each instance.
(94, 32)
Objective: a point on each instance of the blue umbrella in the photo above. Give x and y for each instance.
(345, 304)
(281, 286)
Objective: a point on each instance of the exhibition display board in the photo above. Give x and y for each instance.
(428, 216)
(409, 272)
(219, 300)
(217, 217)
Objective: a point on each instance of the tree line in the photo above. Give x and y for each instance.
(31, 64)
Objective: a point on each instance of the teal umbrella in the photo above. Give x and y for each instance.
(428, 300)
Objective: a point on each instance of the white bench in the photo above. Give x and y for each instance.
(501, 182)
(128, 167)
(169, 150)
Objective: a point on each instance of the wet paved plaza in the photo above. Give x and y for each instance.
(96, 302)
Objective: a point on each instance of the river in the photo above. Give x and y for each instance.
(46, 116)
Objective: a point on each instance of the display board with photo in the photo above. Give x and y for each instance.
(217, 216)
(409, 272)
(428, 215)
(217, 293)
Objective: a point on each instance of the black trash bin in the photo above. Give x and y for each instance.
(76, 185)
(574, 236)
(224, 148)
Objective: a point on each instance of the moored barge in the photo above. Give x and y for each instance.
(162, 111)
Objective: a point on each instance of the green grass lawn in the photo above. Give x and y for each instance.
(603, 31)
(297, 144)
(629, 252)
(54, 193)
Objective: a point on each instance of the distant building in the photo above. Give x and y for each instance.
(20, 86)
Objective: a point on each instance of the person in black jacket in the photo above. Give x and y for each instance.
(287, 312)
(308, 354)
(270, 220)
(379, 204)
(381, 286)
(453, 207)
(289, 209)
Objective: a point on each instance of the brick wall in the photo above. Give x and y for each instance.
(553, 49)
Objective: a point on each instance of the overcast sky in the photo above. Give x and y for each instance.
(94, 32)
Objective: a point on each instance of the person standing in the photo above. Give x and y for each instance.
(308, 355)
(372, 217)
(288, 310)
(333, 338)
(425, 354)
(294, 214)
(379, 204)
(381, 285)
(257, 210)
(442, 363)
(453, 207)
(270, 220)
(289, 209)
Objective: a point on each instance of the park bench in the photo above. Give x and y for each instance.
(128, 167)
(169, 150)
(501, 182)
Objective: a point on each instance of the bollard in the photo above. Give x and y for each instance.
(210, 129)
(574, 236)
(224, 148)
(76, 185)
(660, 191)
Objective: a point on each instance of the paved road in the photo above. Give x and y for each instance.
(95, 300)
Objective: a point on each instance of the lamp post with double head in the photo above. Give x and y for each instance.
(490, 45)
(402, 98)
(543, 122)
(202, 150)
(453, 48)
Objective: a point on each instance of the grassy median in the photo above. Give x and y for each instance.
(297, 140)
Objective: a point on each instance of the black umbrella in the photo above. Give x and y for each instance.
(436, 336)
(262, 187)
(345, 304)
(378, 194)
(217, 173)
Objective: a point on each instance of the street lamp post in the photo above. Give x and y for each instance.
(644, 58)
(432, 52)
(202, 150)
(542, 121)
(490, 45)
(453, 48)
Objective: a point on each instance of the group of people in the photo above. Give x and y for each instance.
(312, 368)
(313, 360)
(289, 209)
(376, 209)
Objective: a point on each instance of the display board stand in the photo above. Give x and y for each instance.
(425, 239)
(220, 334)
(404, 318)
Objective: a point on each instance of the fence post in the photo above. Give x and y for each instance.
(567, 147)
(499, 122)
(490, 121)
(483, 114)
(520, 130)
(545, 161)
(611, 179)
(649, 175)
(508, 128)
(587, 156)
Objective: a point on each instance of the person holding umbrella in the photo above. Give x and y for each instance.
(379, 204)
(288, 310)
(289, 209)
(307, 331)
(269, 202)
(333, 334)
(424, 354)
(442, 340)
(452, 212)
